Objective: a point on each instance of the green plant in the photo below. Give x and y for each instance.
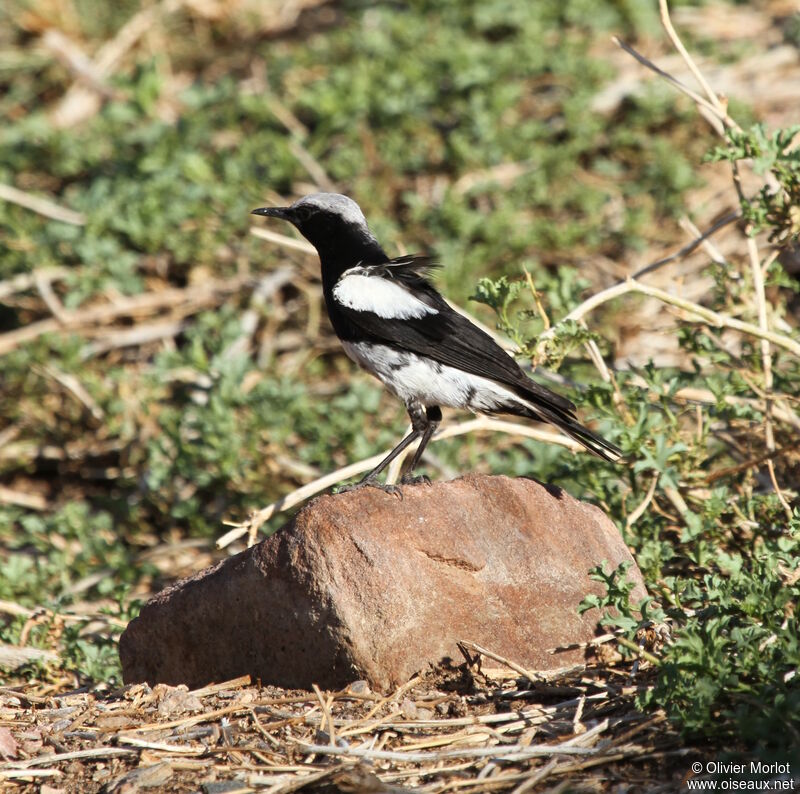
(720, 556)
(776, 206)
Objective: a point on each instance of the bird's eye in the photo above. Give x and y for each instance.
(303, 212)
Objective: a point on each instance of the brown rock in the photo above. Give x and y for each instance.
(364, 585)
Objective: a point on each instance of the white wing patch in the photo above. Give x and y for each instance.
(378, 295)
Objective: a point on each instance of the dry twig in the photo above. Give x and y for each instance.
(41, 206)
(254, 522)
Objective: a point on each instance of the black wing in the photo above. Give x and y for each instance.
(450, 338)
(446, 336)
(407, 269)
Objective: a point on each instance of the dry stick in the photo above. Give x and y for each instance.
(81, 101)
(54, 758)
(572, 767)
(265, 733)
(706, 315)
(512, 752)
(495, 783)
(283, 240)
(76, 60)
(26, 281)
(714, 109)
(133, 337)
(325, 706)
(708, 246)
(32, 501)
(684, 53)
(225, 686)
(766, 359)
(600, 365)
(528, 716)
(582, 646)
(298, 134)
(750, 463)
(210, 716)
(537, 777)
(301, 494)
(248, 320)
(74, 387)
(591, 345)
(688, 394)
(532, 676)
(465, 737)
(41, 206)
(12, 608)
(311, 164)
(700, 239)
(632, 646)
(164, 747)
(190, 299)
(628, 735)
(537, 299)
(12, 656)
(588, 737)
(22, 774)
(301, 781)
(401, 690)
(186, 722)
(50, 298)
(637, 513)
(693, 95)
(752, 249)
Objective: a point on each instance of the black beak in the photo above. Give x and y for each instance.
(274, 212)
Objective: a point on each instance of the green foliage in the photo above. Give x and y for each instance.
(52, 553)
(522, 325)
(775, 207)
(499, 294)
(614, 605)
(55, 560)
(730, 674)
(719, 556)
(95, 657)
(732, 671)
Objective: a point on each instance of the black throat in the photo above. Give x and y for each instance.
(340, 246)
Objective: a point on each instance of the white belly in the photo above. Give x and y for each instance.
(412, 377)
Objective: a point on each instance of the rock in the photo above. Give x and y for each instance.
(175, 701)
(366, 586)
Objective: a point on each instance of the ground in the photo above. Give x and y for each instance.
(460, 729)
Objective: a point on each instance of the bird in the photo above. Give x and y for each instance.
(392, 322)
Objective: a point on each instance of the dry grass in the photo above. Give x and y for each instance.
(450, 729)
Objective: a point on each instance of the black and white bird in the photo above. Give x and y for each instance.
(393, 323)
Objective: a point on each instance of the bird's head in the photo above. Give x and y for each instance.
(329, 221)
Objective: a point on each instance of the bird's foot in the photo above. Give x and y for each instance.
(394, 490)
(410, 479)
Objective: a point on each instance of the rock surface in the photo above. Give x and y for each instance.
(364, 585)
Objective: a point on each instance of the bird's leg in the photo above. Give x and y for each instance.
(419, 427)
(433, 416)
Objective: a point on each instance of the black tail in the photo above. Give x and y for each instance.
(594, 443)
(568, 423)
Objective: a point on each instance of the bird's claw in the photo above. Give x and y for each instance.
(412, 480)
(394, 490)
